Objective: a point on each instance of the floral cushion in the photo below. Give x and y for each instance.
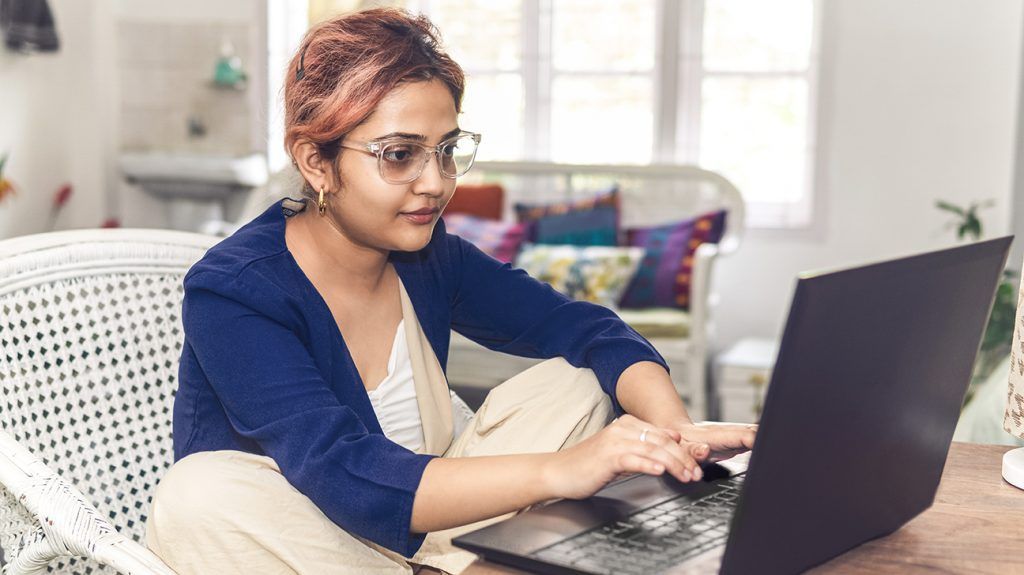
(593, 221)
(663, 279)
(500, 240)
(598, 274)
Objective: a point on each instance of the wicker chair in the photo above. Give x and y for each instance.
(90, 335)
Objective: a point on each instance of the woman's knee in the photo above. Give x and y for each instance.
(210, 487)
(575, 385)
(556, 382)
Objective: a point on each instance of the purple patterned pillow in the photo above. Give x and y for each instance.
(500, 240)
(663, 279)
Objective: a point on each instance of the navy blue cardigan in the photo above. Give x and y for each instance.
(264, 368)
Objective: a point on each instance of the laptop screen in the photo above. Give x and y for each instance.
(866, 391)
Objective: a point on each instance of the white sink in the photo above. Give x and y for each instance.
(196, 187)
(194, 176)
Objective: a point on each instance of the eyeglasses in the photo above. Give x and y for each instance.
(402, 161)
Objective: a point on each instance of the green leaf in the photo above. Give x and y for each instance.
(999, 331)
(949, 207)
(969, 224)
(973, 225)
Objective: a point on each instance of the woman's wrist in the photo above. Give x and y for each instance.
(551, 475)
(646, 392)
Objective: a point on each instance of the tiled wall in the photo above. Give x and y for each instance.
(166, 72)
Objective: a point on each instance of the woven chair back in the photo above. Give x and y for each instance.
(90, 337)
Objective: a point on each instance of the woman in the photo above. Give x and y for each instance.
(313, 427)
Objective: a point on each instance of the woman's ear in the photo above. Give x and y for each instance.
(311, 165)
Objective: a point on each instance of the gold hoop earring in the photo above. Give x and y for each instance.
(321, 204)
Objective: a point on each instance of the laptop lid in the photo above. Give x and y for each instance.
(865, 394)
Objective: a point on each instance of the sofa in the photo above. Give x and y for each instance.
(650, 195)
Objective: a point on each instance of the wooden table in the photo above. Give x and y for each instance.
(975, 526)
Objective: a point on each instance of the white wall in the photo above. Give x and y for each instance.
(1017, 207)
(60, 113)
(918, 102)
(148, 30)
(54, 121)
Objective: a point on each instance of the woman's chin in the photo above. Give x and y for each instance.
(414, 240)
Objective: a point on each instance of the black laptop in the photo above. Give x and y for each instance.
(866, 391)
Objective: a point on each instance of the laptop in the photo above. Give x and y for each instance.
(867, 387)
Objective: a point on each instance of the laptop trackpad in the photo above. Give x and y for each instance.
(544, 526)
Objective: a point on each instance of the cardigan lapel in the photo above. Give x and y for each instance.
(432, 393)
(426, 300)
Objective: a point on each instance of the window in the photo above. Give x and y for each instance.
(757, 78)
(487, 39)
(602, 81)
(726, 84)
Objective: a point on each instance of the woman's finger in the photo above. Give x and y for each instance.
(675, 435)
(676, 460)
(698, 450)
(723, 436)
(635, 463)
(722, 454)
(688, 454)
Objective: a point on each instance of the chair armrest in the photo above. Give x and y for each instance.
(65, 523)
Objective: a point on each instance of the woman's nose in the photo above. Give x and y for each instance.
(430, 181)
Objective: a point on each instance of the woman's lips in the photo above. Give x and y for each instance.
(421, 217)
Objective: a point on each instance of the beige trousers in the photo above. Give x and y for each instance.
(229, 512)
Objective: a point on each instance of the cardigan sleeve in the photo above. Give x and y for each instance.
(504, 309)
(274, 394)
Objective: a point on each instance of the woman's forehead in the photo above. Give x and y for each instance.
(424, 108)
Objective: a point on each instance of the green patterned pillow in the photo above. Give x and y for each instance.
(598, 274)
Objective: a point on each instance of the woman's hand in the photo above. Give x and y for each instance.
(723, 440)
(645, 389)
(583, 469)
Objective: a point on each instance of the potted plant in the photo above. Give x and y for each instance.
(995, 344)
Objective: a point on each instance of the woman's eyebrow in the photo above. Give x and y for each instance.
(415, 137)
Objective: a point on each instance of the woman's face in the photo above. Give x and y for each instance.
(374, 213)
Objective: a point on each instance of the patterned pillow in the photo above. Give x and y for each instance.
(663, 279)
(590, 222)
(500, 240)
(597, 274)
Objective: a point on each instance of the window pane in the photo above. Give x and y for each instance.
(603, 34)
(320, 10)
(757, 35)
(493, 106)
(605, 120)
(754, 132)
(480, 34)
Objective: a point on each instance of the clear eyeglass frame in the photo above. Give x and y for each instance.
(379, 149)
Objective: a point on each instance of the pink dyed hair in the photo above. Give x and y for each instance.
(345, 66)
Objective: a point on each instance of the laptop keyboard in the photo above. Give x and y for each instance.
(652, 539)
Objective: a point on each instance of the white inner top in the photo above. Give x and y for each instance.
(394, 400)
